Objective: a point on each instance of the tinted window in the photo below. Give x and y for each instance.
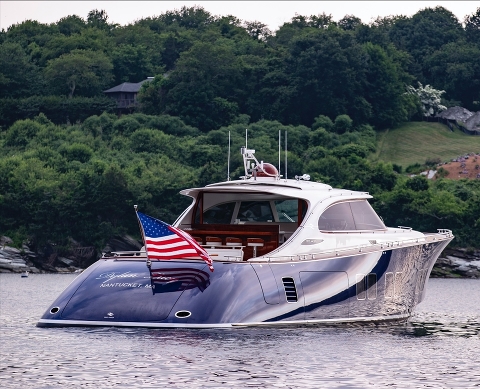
(287, 210)
(255, 211)
(365, 217)
(353, 215)
(219, 214)
(337, 218)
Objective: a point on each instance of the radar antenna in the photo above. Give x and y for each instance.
(253, 167)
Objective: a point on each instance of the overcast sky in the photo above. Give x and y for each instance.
(272, 13)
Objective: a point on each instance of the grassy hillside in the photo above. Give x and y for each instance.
(415, 142)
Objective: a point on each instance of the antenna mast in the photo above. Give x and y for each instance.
(228, 159)
(286, 166)
(279, 151)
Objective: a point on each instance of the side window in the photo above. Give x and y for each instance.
(219, 214)
(255, 211)
(365, 217)
(287, 210)
(337, 218)
(350, 215)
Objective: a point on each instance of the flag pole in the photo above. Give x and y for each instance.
(149, 263)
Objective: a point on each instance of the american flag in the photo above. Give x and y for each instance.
(164, 242)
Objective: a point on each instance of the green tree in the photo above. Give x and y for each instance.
(151, 96)
(132, 63)
(342, 124)
(258, 30)
(21, 132)
(385, 86)
(472, 27)
(349, 22)
(324, 122)
(202, 89)
(71, 24)
(88, 39)
(195, 17)
(18, 76)
(425, 32)
(83, 71)
(98, 19)
(455, 68)
(31, 31)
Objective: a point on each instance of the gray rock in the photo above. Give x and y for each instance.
(122, 243)
(475, 264)
(463, 269)
(16, 261)
(457, 261)
(473, 122)
(4, 265)
(66, 261)
(455, 113)
(443, 262)
(10, 250)
(4, 240)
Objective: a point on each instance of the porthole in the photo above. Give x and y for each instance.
(54, 310)
(183, 314)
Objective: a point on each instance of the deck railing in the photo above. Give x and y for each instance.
(441, 235)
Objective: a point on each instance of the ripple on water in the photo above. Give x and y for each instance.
(438, 348)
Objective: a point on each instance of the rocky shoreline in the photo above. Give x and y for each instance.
(453, 263)
(14, 260)
(457, 263)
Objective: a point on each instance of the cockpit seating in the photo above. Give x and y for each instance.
(237, 235)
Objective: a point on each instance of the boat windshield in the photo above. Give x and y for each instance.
(218, 214)
(250, 209)
(350, 216)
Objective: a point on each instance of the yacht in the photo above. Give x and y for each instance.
(267, 251)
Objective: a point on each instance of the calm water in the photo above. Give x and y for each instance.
(438, 348)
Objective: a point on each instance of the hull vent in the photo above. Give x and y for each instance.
(290, 289)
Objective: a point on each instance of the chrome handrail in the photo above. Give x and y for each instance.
(442, 234)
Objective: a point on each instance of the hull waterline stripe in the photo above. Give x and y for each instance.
(129, 324)
(325, 321)
(222, 325)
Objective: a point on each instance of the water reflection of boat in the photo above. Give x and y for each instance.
(284, 251)
(165, 280)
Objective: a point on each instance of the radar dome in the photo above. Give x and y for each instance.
(268, 170)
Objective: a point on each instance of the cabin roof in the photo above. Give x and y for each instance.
(312, 191)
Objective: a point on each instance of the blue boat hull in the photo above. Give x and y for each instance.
(382, 285)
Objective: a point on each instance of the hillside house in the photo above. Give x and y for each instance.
(126, 94)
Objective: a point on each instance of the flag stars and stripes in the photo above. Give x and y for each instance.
(164, 242)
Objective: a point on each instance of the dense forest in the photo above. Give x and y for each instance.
(71, 168)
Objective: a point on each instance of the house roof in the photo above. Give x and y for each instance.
(127, 87)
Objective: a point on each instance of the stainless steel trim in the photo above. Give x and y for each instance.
(224, 325)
